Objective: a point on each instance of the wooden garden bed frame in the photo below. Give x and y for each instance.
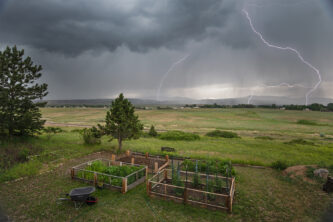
(153, 160)
(123, 188)
(159, 181)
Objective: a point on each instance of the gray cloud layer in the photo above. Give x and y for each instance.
(72, 27)
(92, 49)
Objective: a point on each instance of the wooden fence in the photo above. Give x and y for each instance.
(155, 163)
(109, 181)
(160, 185)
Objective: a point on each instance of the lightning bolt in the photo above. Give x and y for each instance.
(167, 73)
(249, 99)
(287, 48)
(262, 4)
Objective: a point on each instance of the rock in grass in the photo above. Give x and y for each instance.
(328, 186)
(323, 173)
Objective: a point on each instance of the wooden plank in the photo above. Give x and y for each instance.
(155, 167)
(163, 195)
(124, 185)
(206, 204)
(163, 166)
(201, 174)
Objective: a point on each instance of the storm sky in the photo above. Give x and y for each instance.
(97, 49)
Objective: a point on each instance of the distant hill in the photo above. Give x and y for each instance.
(256, 100)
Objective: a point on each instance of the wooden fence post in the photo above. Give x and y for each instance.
(148, 187)
(127, 152)
(185, 195)
(146, 173)
(229, 206)
(95, 179)
(147, 155)
(156, 167)
(124, 185)
(132, 160)
(113, 157)
(165, 175)
(72, 173)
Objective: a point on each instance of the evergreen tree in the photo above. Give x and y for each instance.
(19, 113)
(152, 132)
(121, 122)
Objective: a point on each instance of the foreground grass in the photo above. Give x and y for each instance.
(261, 195)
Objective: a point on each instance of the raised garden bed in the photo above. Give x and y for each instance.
(154, 163)
(110, 174)
(211, 191)
(222, 168)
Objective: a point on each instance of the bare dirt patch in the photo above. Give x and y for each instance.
(299, 172)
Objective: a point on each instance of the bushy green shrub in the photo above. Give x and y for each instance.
(91, 135)
(300, 142)
(50, 131)
(224, 134)
(279, 165)
(306, 122)
(152, 131)
(178, 135)
(23, 154)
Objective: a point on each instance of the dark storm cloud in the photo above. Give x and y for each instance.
(96, 49)
(72, 27)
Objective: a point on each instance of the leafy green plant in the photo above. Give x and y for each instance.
(121, 171)
(178, 135)
(218, 166)
(224, 134)
(196, 180)
(279, 165)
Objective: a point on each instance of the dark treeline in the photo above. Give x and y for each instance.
(312, 107)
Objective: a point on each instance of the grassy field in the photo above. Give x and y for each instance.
(280, 125)
(261, 194)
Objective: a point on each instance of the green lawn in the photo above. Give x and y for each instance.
(261, 195)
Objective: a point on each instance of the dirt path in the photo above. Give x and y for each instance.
(50, 123)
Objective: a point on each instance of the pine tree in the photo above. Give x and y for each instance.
(121, 122)
(19, 113)
(152, 132)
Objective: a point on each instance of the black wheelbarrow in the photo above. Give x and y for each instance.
(80, 195)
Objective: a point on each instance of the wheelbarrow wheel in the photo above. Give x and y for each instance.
(91, 200)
